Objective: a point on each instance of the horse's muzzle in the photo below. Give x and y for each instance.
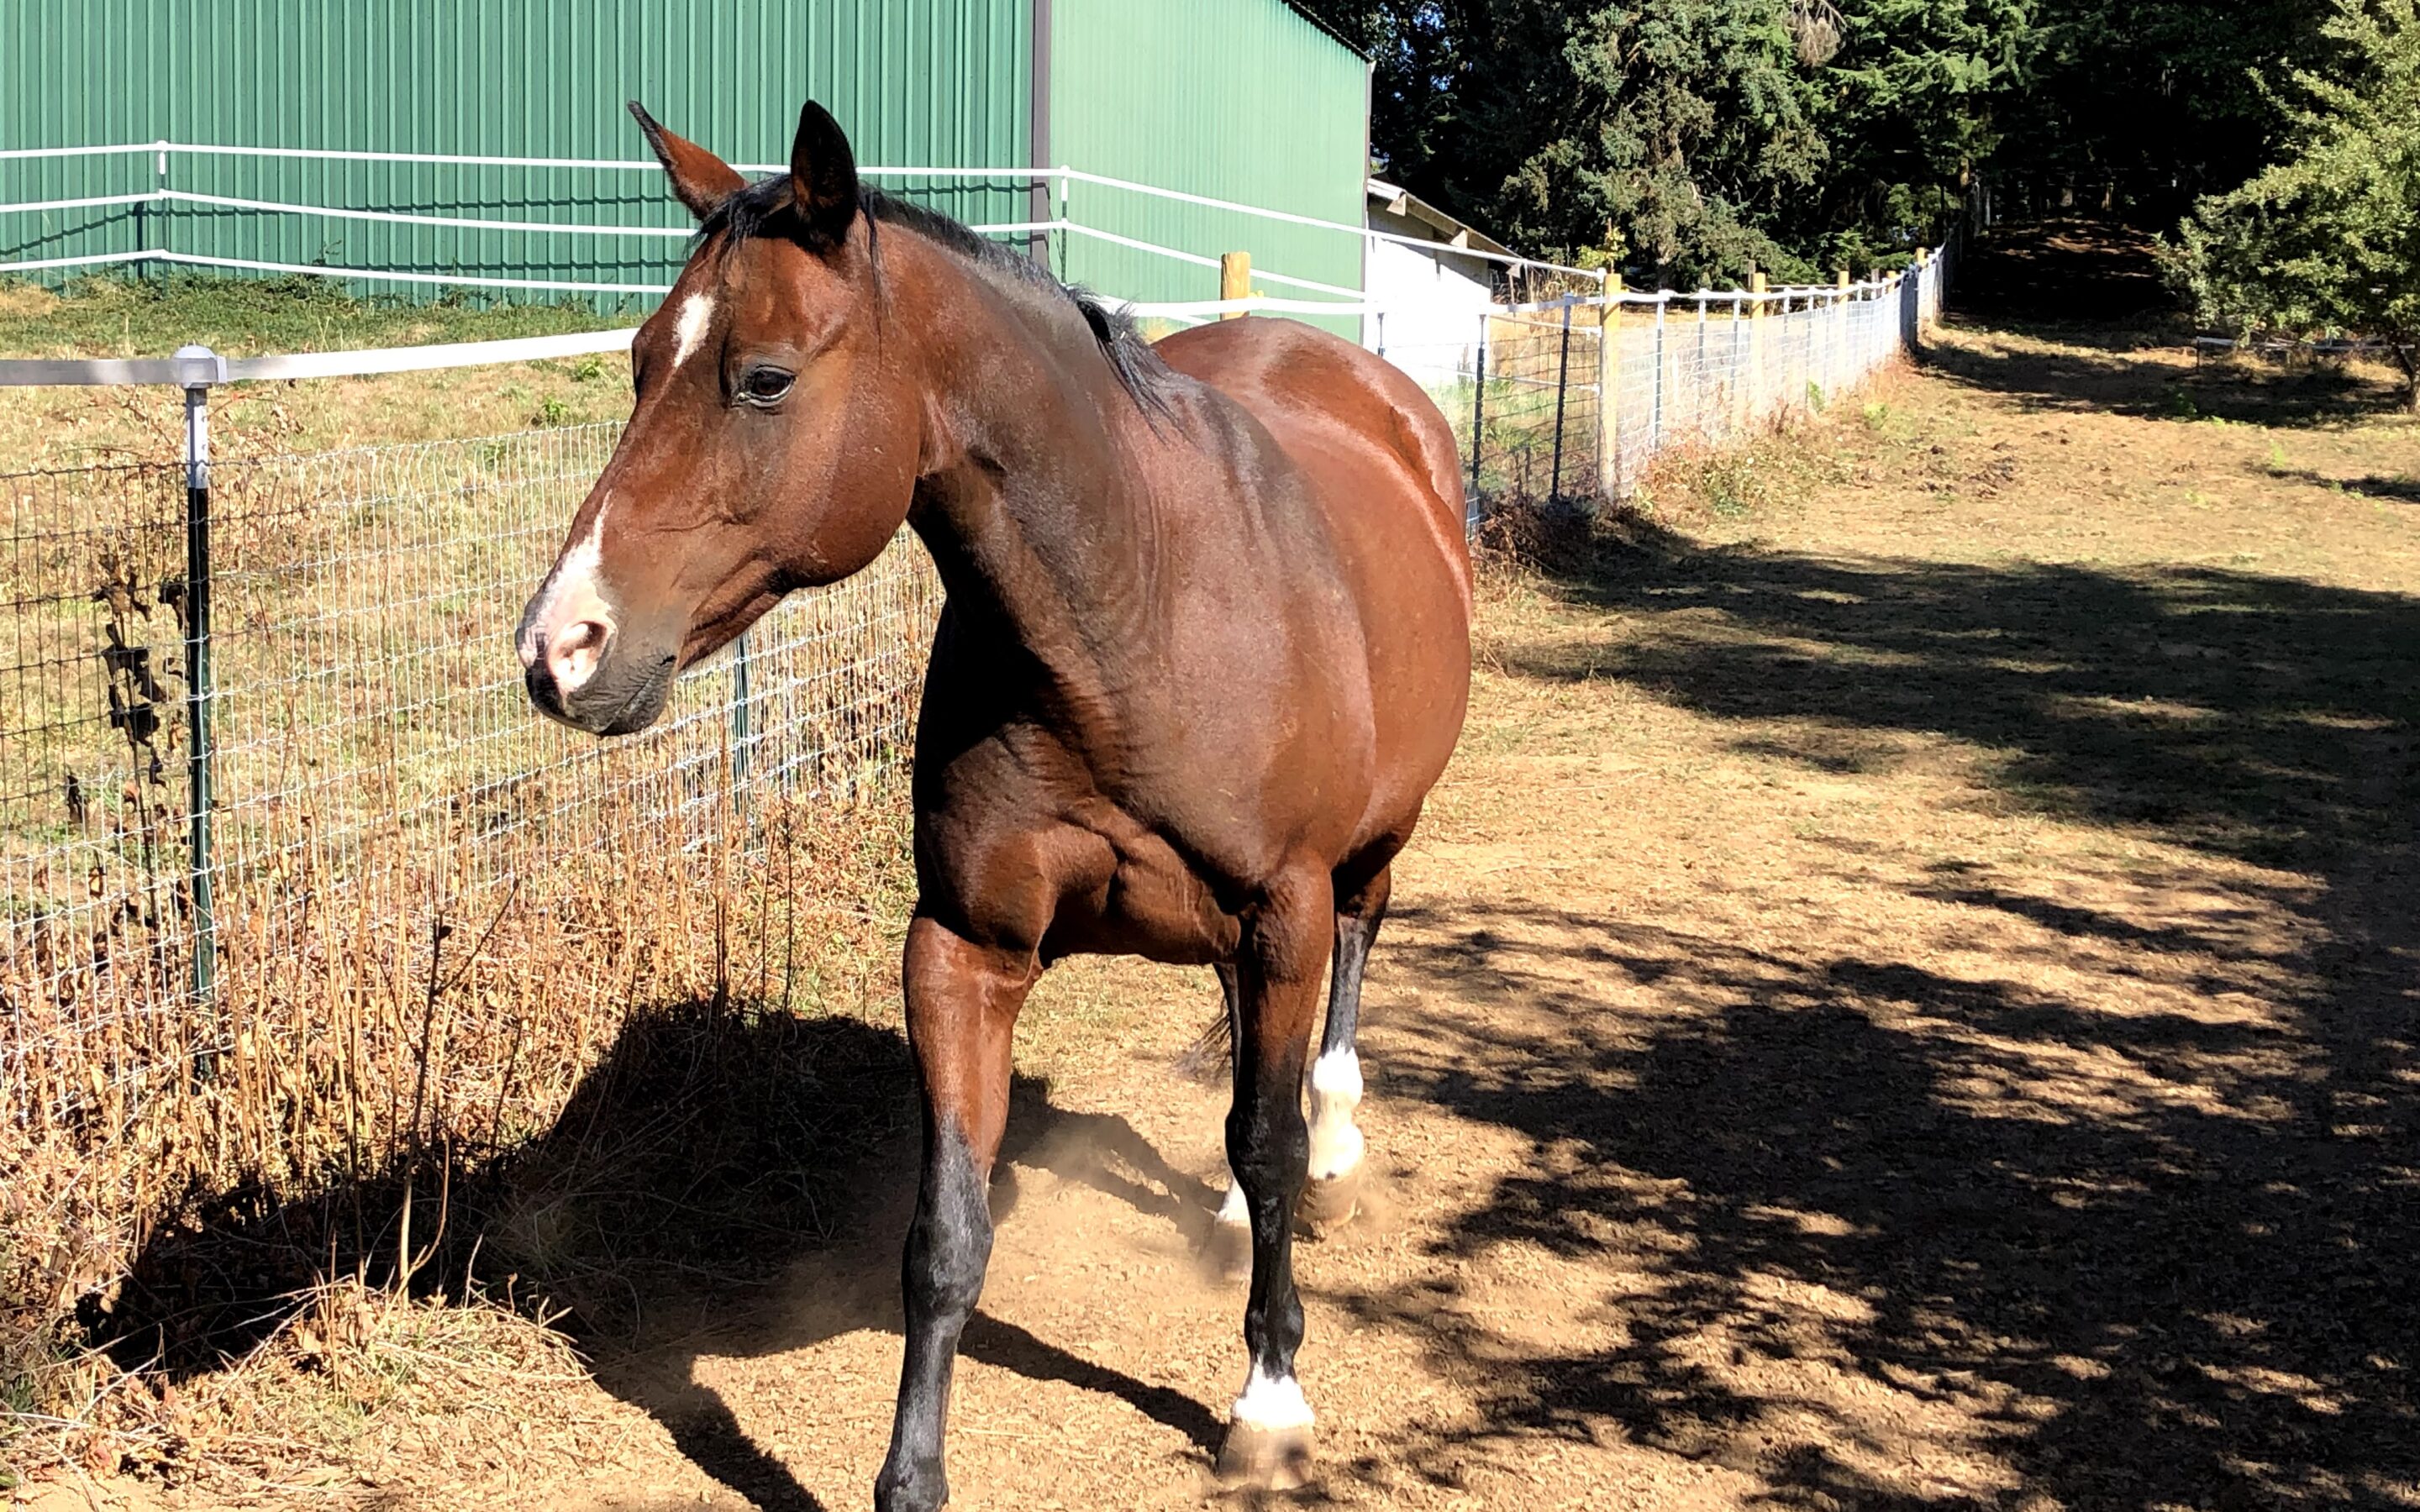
(592, 679)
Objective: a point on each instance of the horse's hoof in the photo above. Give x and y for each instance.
(1329, 1203)
(1228, 1253)
(1276, 1459)
(918, 1487)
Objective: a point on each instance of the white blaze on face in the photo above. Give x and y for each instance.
(1272, 1402)
(689, 330)
(572, 621)
(1336, 1145)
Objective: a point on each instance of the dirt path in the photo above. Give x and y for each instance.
(1905, 1000)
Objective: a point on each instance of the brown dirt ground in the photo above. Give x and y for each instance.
(1905, 1000)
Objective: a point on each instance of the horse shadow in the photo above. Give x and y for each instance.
(722, 1182)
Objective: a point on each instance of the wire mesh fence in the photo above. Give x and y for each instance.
(373, 769)
(1521, 395)
(1571, 399)
(369, 735)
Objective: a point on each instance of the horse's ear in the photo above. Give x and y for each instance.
(823, 176)
(700, 179)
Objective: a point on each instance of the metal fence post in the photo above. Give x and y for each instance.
(198, 368)
(1655, 425)
(1066, 186)
(1562, 388)
(1608, 391)
(143, 227)
(1477, 428)
(739, 714)
(1698, 390)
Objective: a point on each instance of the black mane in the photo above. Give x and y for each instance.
(764, 208)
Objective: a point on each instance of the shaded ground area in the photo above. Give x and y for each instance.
(1906, 1000)
(2073, 272)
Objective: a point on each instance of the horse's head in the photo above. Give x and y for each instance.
(772, 445)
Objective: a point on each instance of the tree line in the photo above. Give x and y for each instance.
(1689, 141)
(2274, 144)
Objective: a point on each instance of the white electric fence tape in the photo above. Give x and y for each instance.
(32, 371)
(1062, 176)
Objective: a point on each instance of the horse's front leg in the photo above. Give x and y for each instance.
(1269, 1148)
(962, 1004)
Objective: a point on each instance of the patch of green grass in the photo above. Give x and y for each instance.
(126, 315)
(1731, 484)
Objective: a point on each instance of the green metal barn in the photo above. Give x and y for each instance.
(1247, 101)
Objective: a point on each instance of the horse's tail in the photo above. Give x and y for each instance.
(1205, 1059)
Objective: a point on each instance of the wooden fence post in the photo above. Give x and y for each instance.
(1843, 370)
(1234, 280)
(1756, 403)
(1608, 400)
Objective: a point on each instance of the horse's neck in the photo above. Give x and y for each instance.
(1032, 505)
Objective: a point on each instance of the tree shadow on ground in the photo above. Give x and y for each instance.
(2098, 372)
(724, 1182)
(2264, 719)
(2402, 490)
(2162, 1258)
(2185, 1281)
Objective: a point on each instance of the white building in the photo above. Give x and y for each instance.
(1431, 297)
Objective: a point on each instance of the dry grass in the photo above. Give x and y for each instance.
(401, 1057)
(439, 924)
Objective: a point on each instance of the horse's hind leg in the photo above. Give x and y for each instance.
(1269, 1148)
(1336, 1145)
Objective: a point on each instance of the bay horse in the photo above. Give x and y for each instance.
(1204, 649)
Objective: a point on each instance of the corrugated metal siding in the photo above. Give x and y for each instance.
(922, 82)
(69, 75)
(1238, 99)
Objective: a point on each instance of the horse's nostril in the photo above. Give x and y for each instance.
(573, 653)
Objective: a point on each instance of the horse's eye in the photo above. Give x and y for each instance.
(765, 385)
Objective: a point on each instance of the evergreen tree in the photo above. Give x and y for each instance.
(2139, 107)
(2326, 243)
(1690, 140)
(1907, 108)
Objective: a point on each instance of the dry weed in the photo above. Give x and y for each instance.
(395, 1101)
